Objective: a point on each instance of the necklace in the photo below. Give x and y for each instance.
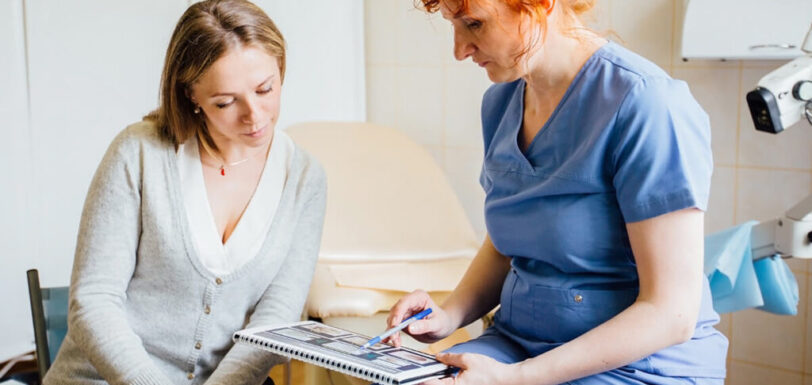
(223, 165)
(222, 161)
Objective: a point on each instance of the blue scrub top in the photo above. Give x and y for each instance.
(626, 143)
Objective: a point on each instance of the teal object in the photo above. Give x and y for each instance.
(49, 314)
(55, 305)
(738, 283)
(729, 267)
(778, 286)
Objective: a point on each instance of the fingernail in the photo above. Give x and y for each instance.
(415, 328)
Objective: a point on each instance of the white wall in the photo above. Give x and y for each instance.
(324, 79)
(15, 184)
(73, 74)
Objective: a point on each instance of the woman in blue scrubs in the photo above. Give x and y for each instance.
(597, 172)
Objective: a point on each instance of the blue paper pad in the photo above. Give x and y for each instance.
(778, 286)
(738, 283)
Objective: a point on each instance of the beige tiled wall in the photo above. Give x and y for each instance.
(415, 85)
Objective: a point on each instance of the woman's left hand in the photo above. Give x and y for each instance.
(475, 369)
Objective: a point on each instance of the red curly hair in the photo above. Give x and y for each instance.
(572, 9)
(530, 7)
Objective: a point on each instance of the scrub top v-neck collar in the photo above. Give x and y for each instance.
(525, 157)
(249, 233)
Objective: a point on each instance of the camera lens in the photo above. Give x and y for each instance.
(802, 90)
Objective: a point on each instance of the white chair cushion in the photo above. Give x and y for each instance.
(341, 295)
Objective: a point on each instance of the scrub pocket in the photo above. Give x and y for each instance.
(546, 314)
(564, 314)
(516, 305)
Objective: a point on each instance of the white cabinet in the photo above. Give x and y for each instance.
(745, 29)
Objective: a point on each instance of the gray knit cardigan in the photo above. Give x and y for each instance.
(143, 309)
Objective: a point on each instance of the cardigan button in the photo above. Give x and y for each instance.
(578, 298)
(207, 310)
(198, 345)
(190, 376)
(218, 281)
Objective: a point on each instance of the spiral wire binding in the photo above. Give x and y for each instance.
(320, 360)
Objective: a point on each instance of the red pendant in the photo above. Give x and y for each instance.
(222, 171)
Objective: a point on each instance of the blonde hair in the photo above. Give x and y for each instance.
(206, 32)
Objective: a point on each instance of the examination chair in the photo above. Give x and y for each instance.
(393, 224)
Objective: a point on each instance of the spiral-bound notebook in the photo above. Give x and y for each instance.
(338, 349)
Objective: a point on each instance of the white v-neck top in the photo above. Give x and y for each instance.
(252, 228)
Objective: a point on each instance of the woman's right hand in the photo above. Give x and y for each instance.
(434, 327)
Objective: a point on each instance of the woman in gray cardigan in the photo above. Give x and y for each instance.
(200, 220)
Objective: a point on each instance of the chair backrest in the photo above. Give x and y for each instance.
(49, 312)
(387, 199)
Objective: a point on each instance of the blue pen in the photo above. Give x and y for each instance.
(405, 323)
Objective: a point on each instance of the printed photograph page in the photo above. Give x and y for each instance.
(344, 346)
